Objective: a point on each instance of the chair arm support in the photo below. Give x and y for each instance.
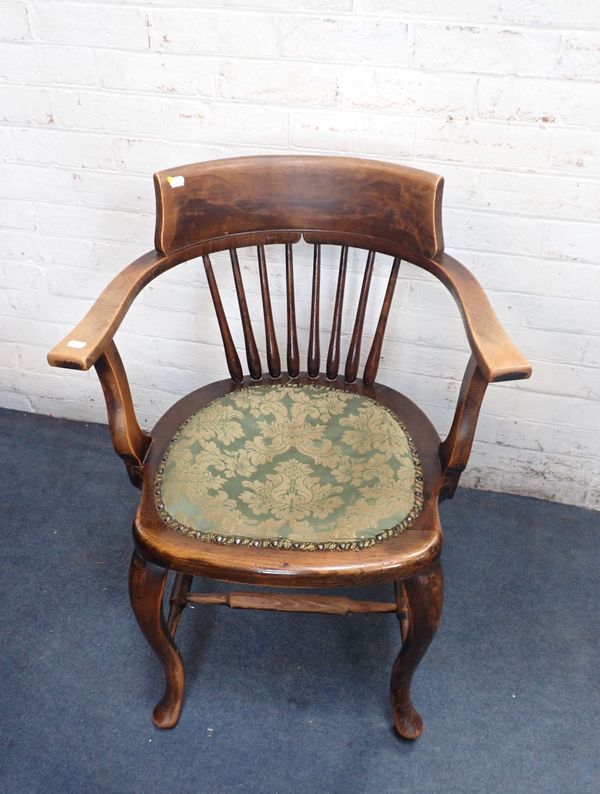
(497, 357)
(87, 341)
(456, 448)
(129, 440)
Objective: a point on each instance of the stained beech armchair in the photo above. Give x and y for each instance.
(298, 476)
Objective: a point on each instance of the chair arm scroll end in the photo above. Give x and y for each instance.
(73, 353)
(517, 368)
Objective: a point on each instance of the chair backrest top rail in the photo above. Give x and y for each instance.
(253, 194)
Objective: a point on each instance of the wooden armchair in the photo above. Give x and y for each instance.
(297, 479)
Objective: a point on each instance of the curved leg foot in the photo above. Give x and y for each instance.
(146, 588)
(424, 595)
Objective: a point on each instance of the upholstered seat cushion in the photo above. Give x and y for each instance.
(302, 467)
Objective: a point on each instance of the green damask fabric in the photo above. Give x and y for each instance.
(303, 467)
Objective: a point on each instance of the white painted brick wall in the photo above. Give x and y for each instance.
(502, 98)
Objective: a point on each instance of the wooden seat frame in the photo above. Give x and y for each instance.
(258, 201)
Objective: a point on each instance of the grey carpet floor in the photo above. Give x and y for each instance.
(279, 703)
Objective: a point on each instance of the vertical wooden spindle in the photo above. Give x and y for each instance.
(354, 350)
(372, 364)
(233, 361)
(272, 349)
(333, 356)
(293, 356)
(251, 350)
(314, 355)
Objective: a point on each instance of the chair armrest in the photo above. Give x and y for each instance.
(497, 357)
(89, 339)
(91, 343)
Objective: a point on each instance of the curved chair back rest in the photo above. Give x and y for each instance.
(229, 204)
(341, 195)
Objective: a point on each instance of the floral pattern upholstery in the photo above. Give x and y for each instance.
(291, 466)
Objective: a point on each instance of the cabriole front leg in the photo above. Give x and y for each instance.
(424, 597)
(146, 589)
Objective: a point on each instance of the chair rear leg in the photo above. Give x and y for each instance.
(424, 596)
(146, 589)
